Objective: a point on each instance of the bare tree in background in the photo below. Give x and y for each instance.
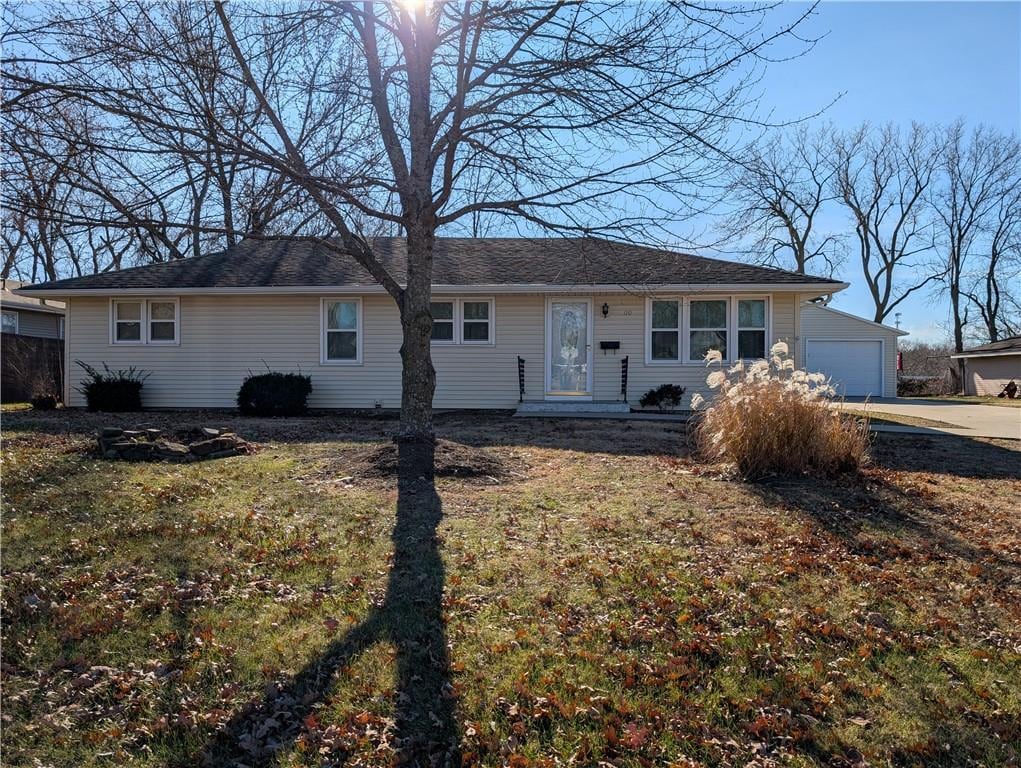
(882, 178)
(980, 169)
(377, 115)
(996, 289)
(134, 190)
(778, 190)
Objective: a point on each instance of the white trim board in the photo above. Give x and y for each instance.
(977, 355)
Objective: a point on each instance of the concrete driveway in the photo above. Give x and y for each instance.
(969, 419)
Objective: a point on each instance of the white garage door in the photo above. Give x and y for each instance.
(855, 367)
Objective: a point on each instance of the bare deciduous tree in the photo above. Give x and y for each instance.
(882, 178)
(996, 290)
(778, 190)
(390, 116)
(980, 169)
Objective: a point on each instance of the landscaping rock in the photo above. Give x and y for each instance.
(223, 454)
(172, 451)
(152, 445)
(206, 447)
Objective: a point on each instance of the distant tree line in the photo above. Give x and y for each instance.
(932, 209)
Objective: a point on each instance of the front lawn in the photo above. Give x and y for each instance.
(590, 596)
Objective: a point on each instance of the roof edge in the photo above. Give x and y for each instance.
(18, 306)
(818, 289)
(835, 311)
(991, 353)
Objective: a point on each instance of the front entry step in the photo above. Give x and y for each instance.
(555, 407)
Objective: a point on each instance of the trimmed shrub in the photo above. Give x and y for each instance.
(664, 397)
(770, 419)
(44, 401)
(274, 394)
(112, 391)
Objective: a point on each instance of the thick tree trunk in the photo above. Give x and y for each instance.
(955, 305)
(418, 377)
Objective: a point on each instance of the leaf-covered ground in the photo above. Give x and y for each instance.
(606, 601)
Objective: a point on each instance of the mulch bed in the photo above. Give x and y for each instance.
(379, 462)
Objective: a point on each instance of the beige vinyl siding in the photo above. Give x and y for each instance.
(40, 324)
(222, 338)
(820, 323)
(988, 376)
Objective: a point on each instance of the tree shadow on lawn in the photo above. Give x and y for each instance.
(411, 618)
(949, 455)
(852, 507)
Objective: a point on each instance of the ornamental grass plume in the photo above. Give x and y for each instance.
(770, 418)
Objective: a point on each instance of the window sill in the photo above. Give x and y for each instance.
(340, 362)
(683, 363)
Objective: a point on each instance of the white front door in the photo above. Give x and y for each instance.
(569, 348)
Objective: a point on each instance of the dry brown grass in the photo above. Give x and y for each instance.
(612, 602)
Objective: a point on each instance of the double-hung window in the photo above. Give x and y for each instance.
(127, 322)
(462, 321)
(666, 330)
(707, 327)
(443, 322)
(476, 322)
(342, 331)
(162, 322)
(145, 321)
(10, 319)
(751, 328)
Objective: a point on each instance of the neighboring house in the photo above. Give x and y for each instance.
(990, 367)
(860, 356)
(31, 350)
(26, 316)
(561, 314)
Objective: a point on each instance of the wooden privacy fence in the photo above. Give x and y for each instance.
(30, 365)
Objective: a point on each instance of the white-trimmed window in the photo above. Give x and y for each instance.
(462, 321)
(145, 321)
(751, 329)
(443, 322)
(476, 321)
(161, 326)
(665, 321)
(10, 321)
(342, 331)
(707, 327)
(127, 322)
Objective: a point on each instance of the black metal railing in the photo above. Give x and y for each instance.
(521, 379)
(623, 378)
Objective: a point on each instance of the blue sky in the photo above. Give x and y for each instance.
(901, 61)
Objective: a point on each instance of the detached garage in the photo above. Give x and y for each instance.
(859, 356)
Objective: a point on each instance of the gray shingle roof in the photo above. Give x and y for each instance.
(1003, 346)
(457, 262)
